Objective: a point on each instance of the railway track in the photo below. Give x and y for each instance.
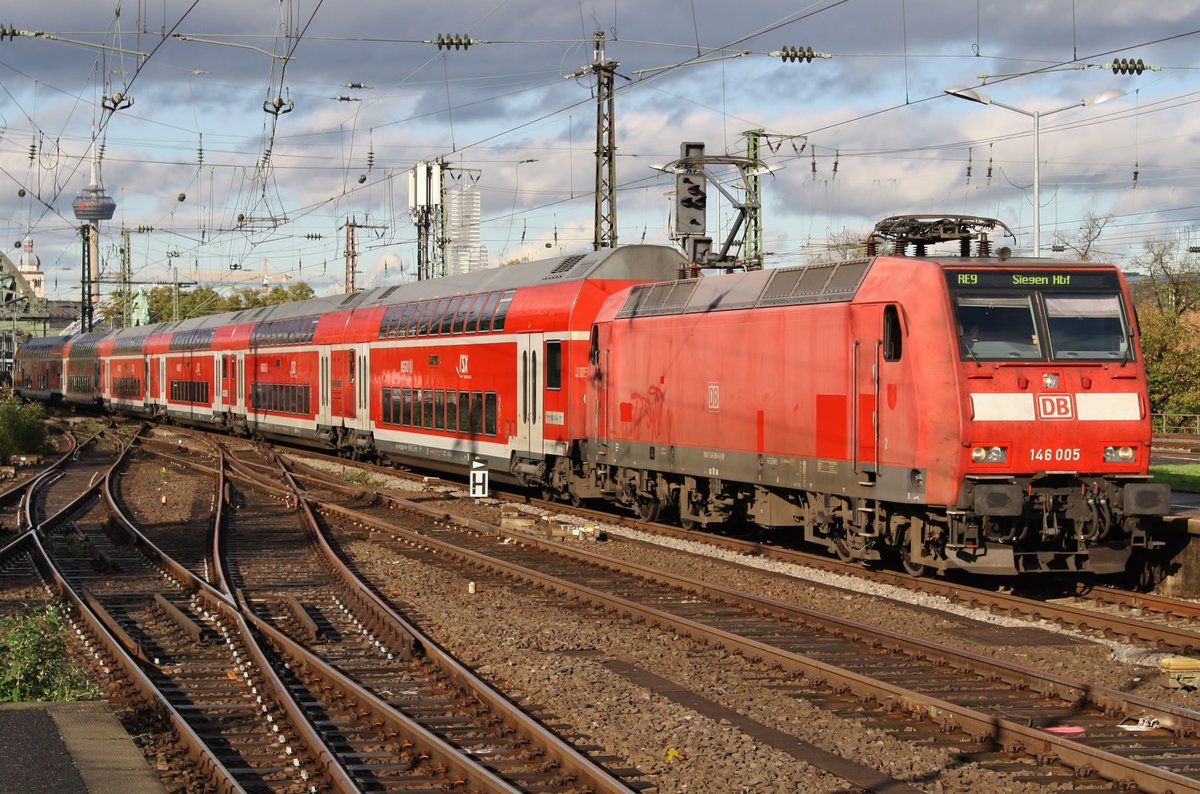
(255, 708)
(1181, 447)
(411, 688)
(1158, 621)
(1003, 704)
(274, 617)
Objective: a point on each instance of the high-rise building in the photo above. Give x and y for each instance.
(464, 253)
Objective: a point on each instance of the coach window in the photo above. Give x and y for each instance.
(472, 322)
(489, 414)
(452, 410)
(439, 409)
(554, 365)
(892, 334)
(464, 412)
(502, 310)
(406, 407)
(427, 404)
(460, 319)
(386, 405)
(435, 317)
(401, 325)
(417, 318)
(485, 319)
(476, 412)
(448, 316)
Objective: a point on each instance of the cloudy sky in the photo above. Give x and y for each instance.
(863, 134)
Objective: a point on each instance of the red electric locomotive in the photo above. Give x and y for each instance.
(964, 412)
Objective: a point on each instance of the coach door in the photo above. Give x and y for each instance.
(529, 394)
(227, 374)
(162, 380)
(342, 383)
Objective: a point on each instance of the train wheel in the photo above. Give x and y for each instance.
(910, 566)
(841, 549)
(648, 508)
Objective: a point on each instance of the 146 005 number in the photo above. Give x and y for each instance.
(1058, 454)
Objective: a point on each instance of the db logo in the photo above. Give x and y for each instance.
(1055, 406)
(714, 396)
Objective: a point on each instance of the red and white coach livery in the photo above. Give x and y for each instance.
(959, 411)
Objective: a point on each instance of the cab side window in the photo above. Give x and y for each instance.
(893, 337)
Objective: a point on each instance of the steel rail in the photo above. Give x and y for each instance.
(979, 725)
(588, 773)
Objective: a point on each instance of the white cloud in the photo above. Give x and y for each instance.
(878, 102)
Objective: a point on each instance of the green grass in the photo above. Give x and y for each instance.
(38, 664)
(1180, 476)
(362, 477)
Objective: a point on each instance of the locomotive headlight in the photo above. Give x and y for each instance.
(989, 454)
(1119, 454)
(1050, 380)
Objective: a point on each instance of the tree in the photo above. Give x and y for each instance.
(842, 246)
(1168, 301)
(22, 427)
(203, 300)
(1085, 238)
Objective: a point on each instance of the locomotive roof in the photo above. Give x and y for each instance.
(655, 262)
(823, 283)
(826, 282)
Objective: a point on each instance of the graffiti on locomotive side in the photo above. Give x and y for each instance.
(647, 409)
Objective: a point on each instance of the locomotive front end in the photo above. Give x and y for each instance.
(1056, 431)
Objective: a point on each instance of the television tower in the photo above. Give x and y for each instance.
(92, 205)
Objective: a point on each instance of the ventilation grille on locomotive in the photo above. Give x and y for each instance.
(824, 283)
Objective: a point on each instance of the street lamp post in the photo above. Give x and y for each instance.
(972, 95)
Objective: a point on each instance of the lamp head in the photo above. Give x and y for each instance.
(1103, 96)
(969, 94)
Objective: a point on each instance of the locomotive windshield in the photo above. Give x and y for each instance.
(1023, 321)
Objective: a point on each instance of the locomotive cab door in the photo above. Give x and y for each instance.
(530, 384)
(866, 344)
(884, 430)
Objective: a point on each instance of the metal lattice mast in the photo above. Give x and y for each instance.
(126, 279)
(752, 250)
(606, 148)
(440, 241)
(351, 255)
